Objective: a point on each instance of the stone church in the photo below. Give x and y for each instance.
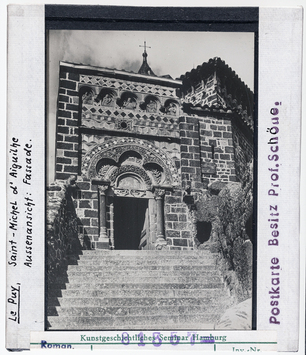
(151, 164)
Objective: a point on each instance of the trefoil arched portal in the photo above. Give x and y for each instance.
(134, 168)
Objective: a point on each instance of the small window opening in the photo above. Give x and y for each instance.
(212, 151)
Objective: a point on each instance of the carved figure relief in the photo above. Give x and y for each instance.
(127, 85)
(106, 100)
(87, 95)
(106, 97)
(151, 106)
(159, 192)
(171, 108)
(129, 103)
(128, 100)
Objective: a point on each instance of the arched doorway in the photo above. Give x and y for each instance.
(133, 176)
(130, 214)
(130, 223)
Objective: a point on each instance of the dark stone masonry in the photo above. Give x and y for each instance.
(152, 163)
(118, 130)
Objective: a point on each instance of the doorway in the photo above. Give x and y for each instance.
(130, 222)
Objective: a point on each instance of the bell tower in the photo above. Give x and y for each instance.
(145, 68)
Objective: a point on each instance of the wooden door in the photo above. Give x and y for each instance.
(145, 233)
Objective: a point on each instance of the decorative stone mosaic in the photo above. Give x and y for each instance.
(140, 122)
(114, 148)
(128, 85)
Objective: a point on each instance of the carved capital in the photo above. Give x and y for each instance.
(102, 185)
(159, 192)
(102, 189)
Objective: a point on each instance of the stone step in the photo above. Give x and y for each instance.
(140, 256)
(87, 311)
(141, 293)
(133, 322)
(142, 261)
(131, 286)
(97, 273)
(153, 253)
(135, 301)
(128, 289)
(145, 262)
(119, 278)
(133, 268)
(145, 258)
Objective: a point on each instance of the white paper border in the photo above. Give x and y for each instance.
(25, 126)
(217, 3)
(280, 39)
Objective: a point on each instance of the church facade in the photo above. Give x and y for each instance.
(144, 151)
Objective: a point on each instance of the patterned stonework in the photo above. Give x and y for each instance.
(155, 167)
(90, 140)
(127, 85)
(132, 121)
(128, 169)
(207, 94)
(130, 193)
(215, 86)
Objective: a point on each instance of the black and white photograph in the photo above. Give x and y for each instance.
(150, 180)
(153, 179)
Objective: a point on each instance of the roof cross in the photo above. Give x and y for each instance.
(144, 46)
(145, 68)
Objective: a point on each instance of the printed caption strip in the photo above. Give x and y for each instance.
(197, 340)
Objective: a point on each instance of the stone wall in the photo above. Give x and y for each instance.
(62, 225)
(217, 150)
(202, 145)
(67, 134)
(85, 199)
(243, 143)
(178, 223)
(190, 152)
(95, 113)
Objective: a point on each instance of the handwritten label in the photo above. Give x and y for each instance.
(14, 303)
(20, 220)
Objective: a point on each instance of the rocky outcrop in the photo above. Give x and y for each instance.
(62, 227)
(237, 317)
(228, 207)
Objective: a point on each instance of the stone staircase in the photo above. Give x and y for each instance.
(138, 290)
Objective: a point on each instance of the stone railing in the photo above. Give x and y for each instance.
(62, 228)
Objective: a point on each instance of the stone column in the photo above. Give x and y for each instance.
(194, 221)
(103, 242)
(160, 242)
(111, 227)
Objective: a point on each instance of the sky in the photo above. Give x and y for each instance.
(173, 53)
